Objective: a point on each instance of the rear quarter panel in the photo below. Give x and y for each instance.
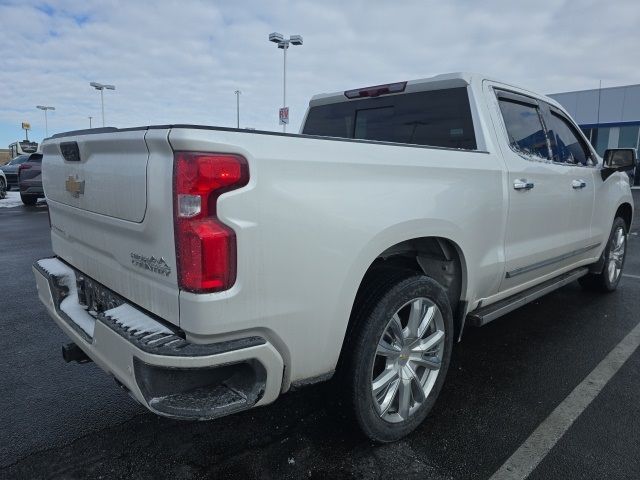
(315, 215)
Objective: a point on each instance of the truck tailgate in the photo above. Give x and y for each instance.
(110, 201)
(113, 167)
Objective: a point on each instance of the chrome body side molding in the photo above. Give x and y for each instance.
(550, 261)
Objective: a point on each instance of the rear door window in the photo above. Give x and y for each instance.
(440, 118)
(524, 128)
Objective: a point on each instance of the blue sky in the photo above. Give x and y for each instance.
(180, 61)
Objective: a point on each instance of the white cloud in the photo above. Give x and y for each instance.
(180, 61)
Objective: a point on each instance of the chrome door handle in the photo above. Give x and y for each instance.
(523, 184)
(578, 184)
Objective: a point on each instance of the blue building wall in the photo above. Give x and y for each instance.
(609, 117)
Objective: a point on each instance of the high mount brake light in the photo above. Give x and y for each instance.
(377, 90)
(205, 247)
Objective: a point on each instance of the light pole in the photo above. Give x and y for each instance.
(102, 87)
(237, 92)
(90, 117)
(283, 43)
(44, 108)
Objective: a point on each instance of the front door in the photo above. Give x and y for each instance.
(569, 148)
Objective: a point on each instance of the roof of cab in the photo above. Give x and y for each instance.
(446, 80)
(457, 79)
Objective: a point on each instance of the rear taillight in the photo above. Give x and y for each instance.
(23, 166)
(205, 247)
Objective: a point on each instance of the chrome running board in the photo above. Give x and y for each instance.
(483, 315)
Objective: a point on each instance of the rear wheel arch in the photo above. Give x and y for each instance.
(439, 258)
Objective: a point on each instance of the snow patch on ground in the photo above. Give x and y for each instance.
(128, 317)
(13, 200)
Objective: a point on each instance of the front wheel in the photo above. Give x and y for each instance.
(3, 189)
(401, 347)
(614, 255)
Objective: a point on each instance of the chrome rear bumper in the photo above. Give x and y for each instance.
(152, 360)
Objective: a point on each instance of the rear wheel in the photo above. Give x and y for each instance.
(400, 351)
(614, 256)
(3, 188)
(29, 199)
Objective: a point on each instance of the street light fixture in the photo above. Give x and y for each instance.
(102, 87)
(284, 43)
(237, 92)
(44, 108)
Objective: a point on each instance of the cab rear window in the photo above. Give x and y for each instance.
(438, 118)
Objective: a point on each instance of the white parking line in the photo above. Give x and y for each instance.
(526, 458)
(631, 276)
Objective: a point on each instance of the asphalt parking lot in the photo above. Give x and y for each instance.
(71, 421)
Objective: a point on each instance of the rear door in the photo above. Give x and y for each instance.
(540, 202)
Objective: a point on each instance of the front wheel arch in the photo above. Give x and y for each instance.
(625, 211)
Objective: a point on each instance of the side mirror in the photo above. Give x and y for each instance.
(619, 159)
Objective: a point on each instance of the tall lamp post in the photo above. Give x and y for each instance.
(44, 108)
(102, 87)
(237, 92)
(283, 43)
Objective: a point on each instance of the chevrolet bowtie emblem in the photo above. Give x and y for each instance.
(74, 187)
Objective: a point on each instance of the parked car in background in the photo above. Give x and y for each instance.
(11, 169)
(3, 185)
(30, 179)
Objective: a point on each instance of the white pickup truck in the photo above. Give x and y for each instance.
(209, 270)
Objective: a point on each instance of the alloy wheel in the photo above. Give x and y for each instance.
(616, 254)
(408, 358)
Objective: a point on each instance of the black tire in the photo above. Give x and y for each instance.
(603, 281)
(389, 292)
(29, 200)
(3, 189)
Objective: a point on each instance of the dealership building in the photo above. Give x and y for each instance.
(609, 117)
